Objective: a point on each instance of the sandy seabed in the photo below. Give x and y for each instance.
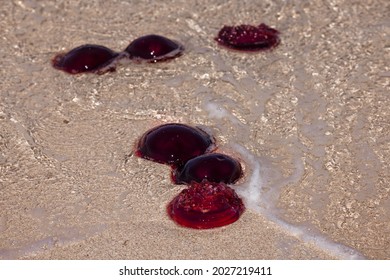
(308, 120)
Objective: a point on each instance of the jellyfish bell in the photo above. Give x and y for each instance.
(206, 205)
(153, 48)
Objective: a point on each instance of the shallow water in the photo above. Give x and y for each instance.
(308, 120)
(262, 188)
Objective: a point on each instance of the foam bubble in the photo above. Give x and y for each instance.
(216, 111)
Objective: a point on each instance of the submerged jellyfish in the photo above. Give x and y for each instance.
(100, 59)
(153, 48)
(206, 205)
(211, 167)
(86, 58)
(248, 38)
(174, 144)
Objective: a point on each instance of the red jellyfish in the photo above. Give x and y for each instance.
(211, 167)
(153, 48)
(206, 205)
(248, 37)
(174, 144)
(86, 58)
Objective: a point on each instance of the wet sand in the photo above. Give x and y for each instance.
(308, 120)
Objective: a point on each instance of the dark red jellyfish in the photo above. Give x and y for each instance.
(174, 144)
(153, 48)
(248, 37)
(206, 205)
(211, 167)
(86, 58)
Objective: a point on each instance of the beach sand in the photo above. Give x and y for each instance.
(308, 120)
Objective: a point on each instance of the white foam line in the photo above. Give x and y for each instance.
(251, 192)
(252, 196)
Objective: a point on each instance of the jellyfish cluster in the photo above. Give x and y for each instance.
(208, 201)
(90, 58)
(100, 59)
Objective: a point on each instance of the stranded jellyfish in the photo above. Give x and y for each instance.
(174, 144)
(153, 48)
(100, 59)
(206, 205)
(86, 58)
(211, 167)
(248, 38)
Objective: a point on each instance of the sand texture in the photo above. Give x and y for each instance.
(309, 121)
